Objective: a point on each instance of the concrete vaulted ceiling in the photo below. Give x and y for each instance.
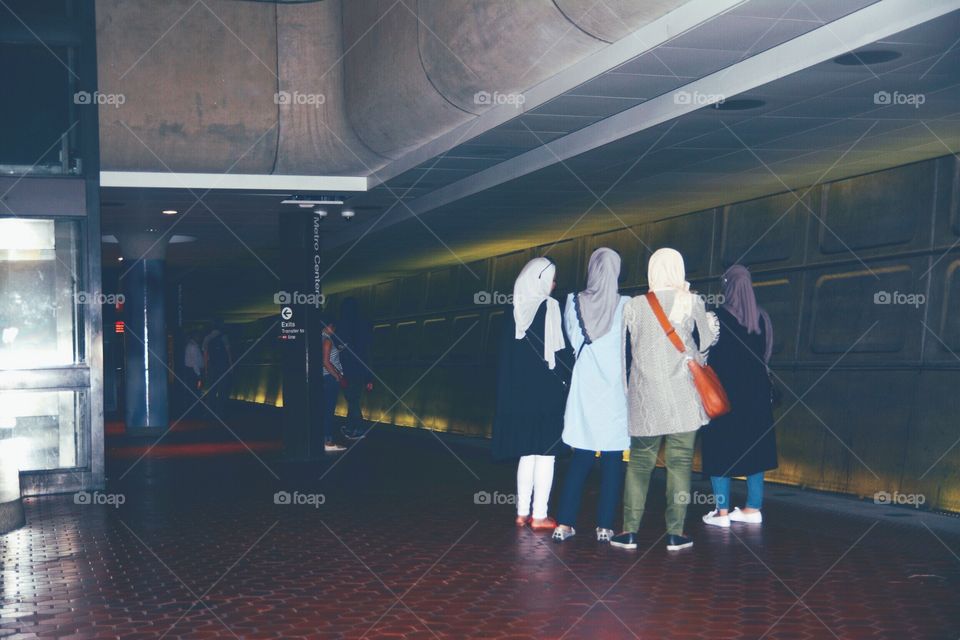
(615, 103)
(378, 78)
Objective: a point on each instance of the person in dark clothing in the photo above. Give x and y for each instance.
(742, 442)
(217, 363)
(531, 391)
(356, 334)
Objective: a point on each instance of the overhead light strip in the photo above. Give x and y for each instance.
(231, 181)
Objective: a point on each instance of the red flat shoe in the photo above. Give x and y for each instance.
(547, 524)
(522, 521)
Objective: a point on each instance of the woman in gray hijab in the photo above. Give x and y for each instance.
(595, 420)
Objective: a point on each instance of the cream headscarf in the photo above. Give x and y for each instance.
(665, 272)
(532, 287)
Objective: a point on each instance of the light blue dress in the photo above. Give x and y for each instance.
(596, 413)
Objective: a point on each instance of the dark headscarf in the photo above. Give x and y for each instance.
(741, 302)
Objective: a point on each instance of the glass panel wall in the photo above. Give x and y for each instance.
(40, 294)
(40, 430)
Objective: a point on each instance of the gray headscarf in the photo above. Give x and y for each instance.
(598, 302)
(741, 302)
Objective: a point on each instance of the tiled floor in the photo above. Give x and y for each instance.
(400, 549)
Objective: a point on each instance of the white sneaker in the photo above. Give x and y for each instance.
(739, 516)
(716, 520)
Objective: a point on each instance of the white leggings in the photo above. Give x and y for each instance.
(534, 478)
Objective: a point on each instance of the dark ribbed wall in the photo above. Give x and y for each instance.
(870, 390)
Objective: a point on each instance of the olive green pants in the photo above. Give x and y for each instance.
(678, 457)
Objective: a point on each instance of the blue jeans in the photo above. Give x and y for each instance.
(331, 393)
(721, 491)
(611, 478)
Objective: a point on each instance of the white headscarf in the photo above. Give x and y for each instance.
(665, 272)
(532, 287)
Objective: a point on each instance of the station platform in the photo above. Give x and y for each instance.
(409, 534)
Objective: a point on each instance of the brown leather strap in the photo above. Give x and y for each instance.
(664, 322)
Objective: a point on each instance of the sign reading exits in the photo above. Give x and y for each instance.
(288, 326)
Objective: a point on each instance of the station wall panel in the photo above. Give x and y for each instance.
(869, 392)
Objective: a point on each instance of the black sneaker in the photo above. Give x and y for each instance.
(675, 543)
(624, 541)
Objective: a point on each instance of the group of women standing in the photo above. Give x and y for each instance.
(624, 385)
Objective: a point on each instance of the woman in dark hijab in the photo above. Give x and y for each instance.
(742, 442)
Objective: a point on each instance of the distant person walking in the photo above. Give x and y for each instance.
(595, 419)
(217, 362)
(531, 390)
(193, 364)
(356, 334)
(333, 380)
(664, 405)
(742, 442)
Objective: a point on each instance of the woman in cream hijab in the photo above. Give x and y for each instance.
(531, 387)
(663, 403)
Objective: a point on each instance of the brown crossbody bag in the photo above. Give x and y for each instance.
(712, 395)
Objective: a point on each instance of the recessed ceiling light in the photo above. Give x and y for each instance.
(170, 212)
(864, 58)
(738, 104)
(120, 259)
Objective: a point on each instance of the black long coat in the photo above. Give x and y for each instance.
(741, 442)
(530, 397)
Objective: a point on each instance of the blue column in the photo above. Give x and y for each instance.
(145, 334)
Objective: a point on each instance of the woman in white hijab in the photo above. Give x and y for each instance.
(531, 387)
(596, 414)
(663, 404)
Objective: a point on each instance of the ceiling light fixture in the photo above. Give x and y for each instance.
(320, 213)
(306, 203)
(864, 58)
(170, 212)
(347, 214)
